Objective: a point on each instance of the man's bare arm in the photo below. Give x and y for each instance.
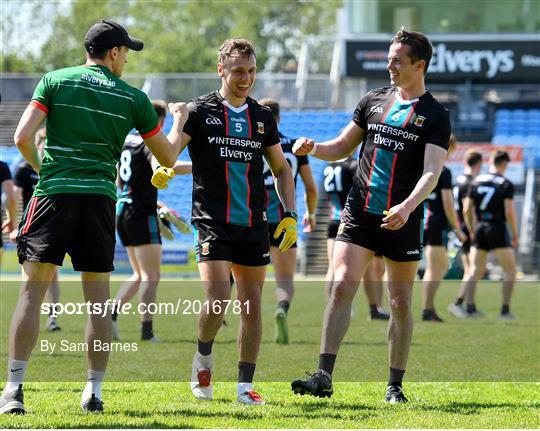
(434, 158)
(25, 135)
(334, 149)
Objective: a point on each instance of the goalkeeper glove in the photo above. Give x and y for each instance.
(162, 176)
(288, 227)
(172, 216)
(165, 229)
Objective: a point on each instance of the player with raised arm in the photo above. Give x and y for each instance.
(285, 262)
(227, 134)
(439, 215)
(489, 211)
(473, 164)
(405, 134)
(89, 112)
(137, 224)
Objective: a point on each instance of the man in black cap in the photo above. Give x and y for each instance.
(89, 113)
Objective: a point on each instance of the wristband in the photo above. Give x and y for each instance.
(291, 214)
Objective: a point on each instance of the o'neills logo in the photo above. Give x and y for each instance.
(471, 61)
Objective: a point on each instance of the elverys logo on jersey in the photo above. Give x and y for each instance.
(228, 148)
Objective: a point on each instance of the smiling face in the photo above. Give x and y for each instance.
(237, 73)
(403, 72)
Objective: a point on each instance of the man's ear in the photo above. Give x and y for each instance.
(220, 70)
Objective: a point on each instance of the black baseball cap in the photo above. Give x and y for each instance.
(106, 34)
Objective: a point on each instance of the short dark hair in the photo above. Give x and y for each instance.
(272, 104)
(472, 157)
(500, 156)
(229, 46)
(160, 107)
(100, 55)
(419, 45)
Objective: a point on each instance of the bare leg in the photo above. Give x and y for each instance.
(98, 327)
(350, 262)
(284, 267)
(149, 260)
(507, 259)
(400, 283)
(249, 283)
(436, 267)
(24, 328)
(330, 273)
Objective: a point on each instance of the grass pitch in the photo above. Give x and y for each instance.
(461, 374)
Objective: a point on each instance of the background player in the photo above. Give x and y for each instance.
(227, 134)
(440, 213)
(137, 223)
(25, 180)
(488, 209)
(338, 180)
(405, 133)
(473, 164)
(8, 225)
(72, 209)
(285, 262)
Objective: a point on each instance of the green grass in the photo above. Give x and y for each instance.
(461, 374)
(355, 405)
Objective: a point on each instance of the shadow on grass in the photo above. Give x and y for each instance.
(473, 407)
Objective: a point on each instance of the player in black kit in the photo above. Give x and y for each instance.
(285, 262)
(137, 223)
(488, 210)
(8, 225)
(25, 180)
(227, 134)
(473, 164)
(440, 215)
(405, 134)
(338, 180)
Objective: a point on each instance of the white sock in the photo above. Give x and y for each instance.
(93, 385)
(206, 360)
(242, 388)
(15, 376)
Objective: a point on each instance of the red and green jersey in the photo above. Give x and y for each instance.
(89, 111)
(392, 156)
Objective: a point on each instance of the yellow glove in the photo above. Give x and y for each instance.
(288, 226)
(162, 176)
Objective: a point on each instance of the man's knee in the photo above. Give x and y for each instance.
(400, 303)
(343, 291)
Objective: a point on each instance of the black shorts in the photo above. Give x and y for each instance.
(136, 227)
(276, 242)
(436, 233)
(78, 224)
(237, 244)
(332, 229)
(492, 235)
(363, 229)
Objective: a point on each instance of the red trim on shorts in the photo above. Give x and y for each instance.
(151, 132)
(248, 196)
(30, 214)
(391, 182)
(249, 124)
(404, 124)
(228, 217)
(226, 120)
(40, 106)
(369, 179)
